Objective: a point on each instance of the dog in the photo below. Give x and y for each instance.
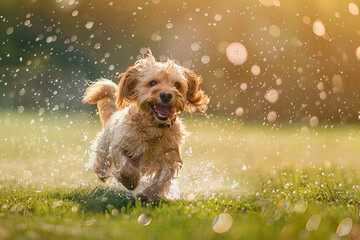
(142, 128)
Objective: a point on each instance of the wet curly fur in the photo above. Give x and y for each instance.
(142, 130)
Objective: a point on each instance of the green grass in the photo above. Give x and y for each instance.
(270, 180)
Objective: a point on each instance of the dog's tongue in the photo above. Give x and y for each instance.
(164, 110)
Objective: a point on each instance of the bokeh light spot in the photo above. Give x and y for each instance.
(218, 17)
(344, 227)
(89, 25)
(222, 223)
(319, 28)
(274, 31)
(236, 53)
(357, 52)
(205, 59)
(271, 116)
(353, 9)
(239, 111)
(313, 223)
(272, 95)
(195, 46)
(255, 69)
(144, 220)
(9, 30)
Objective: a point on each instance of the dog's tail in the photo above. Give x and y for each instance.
(102, 92)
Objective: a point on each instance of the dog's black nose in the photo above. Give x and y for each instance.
(165, 97)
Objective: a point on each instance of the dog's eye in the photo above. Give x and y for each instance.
(152, 83)
(177, 85)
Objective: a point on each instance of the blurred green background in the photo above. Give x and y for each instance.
(48, 48)
(273, 180)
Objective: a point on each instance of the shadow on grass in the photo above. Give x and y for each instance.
(105, 199)
(96, 200)
(102, 199)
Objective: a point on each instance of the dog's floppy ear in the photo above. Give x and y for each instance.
(197, 99)
(129, 79)
(127, 87)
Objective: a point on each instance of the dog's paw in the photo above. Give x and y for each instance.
(101, 177)
(130, 182)
(142, 197)
(149, 196)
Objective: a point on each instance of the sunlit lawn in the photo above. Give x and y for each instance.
(271, 180)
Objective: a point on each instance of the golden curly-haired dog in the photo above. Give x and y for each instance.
(142, 132)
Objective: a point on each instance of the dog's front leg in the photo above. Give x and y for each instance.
(126, 172)
(162, 179)
(157, 189)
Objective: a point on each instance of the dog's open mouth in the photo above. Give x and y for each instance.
(162, 112)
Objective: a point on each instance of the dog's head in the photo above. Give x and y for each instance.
(162, 89)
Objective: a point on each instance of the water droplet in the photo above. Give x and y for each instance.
(169, 25)
(267, 3)
(243, 86)
(276, 3)
(22, 92)
(195, 46)
(313, 223)
(236, 53)
(89, 25)
(21, 109)
(75, 13)
(218, 17)
(222, 223)
(320, 86)
(344, 227)
(314, 121)
(97, 45)
(274, 31)
(9, 30)
(239, 111)
(114, 212)
(219, 72)
(337, 83)
(306, 20)
(57, 204)
(27, 23)
(322, 95)
(205, 59)
(144, 219)
(255, 69)
(272, 95)
(319, 28)
(357, 52)
(143, 50)
(271, 116)
(155, 37)
(49, 39)
(300, 206)
(353, 9)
